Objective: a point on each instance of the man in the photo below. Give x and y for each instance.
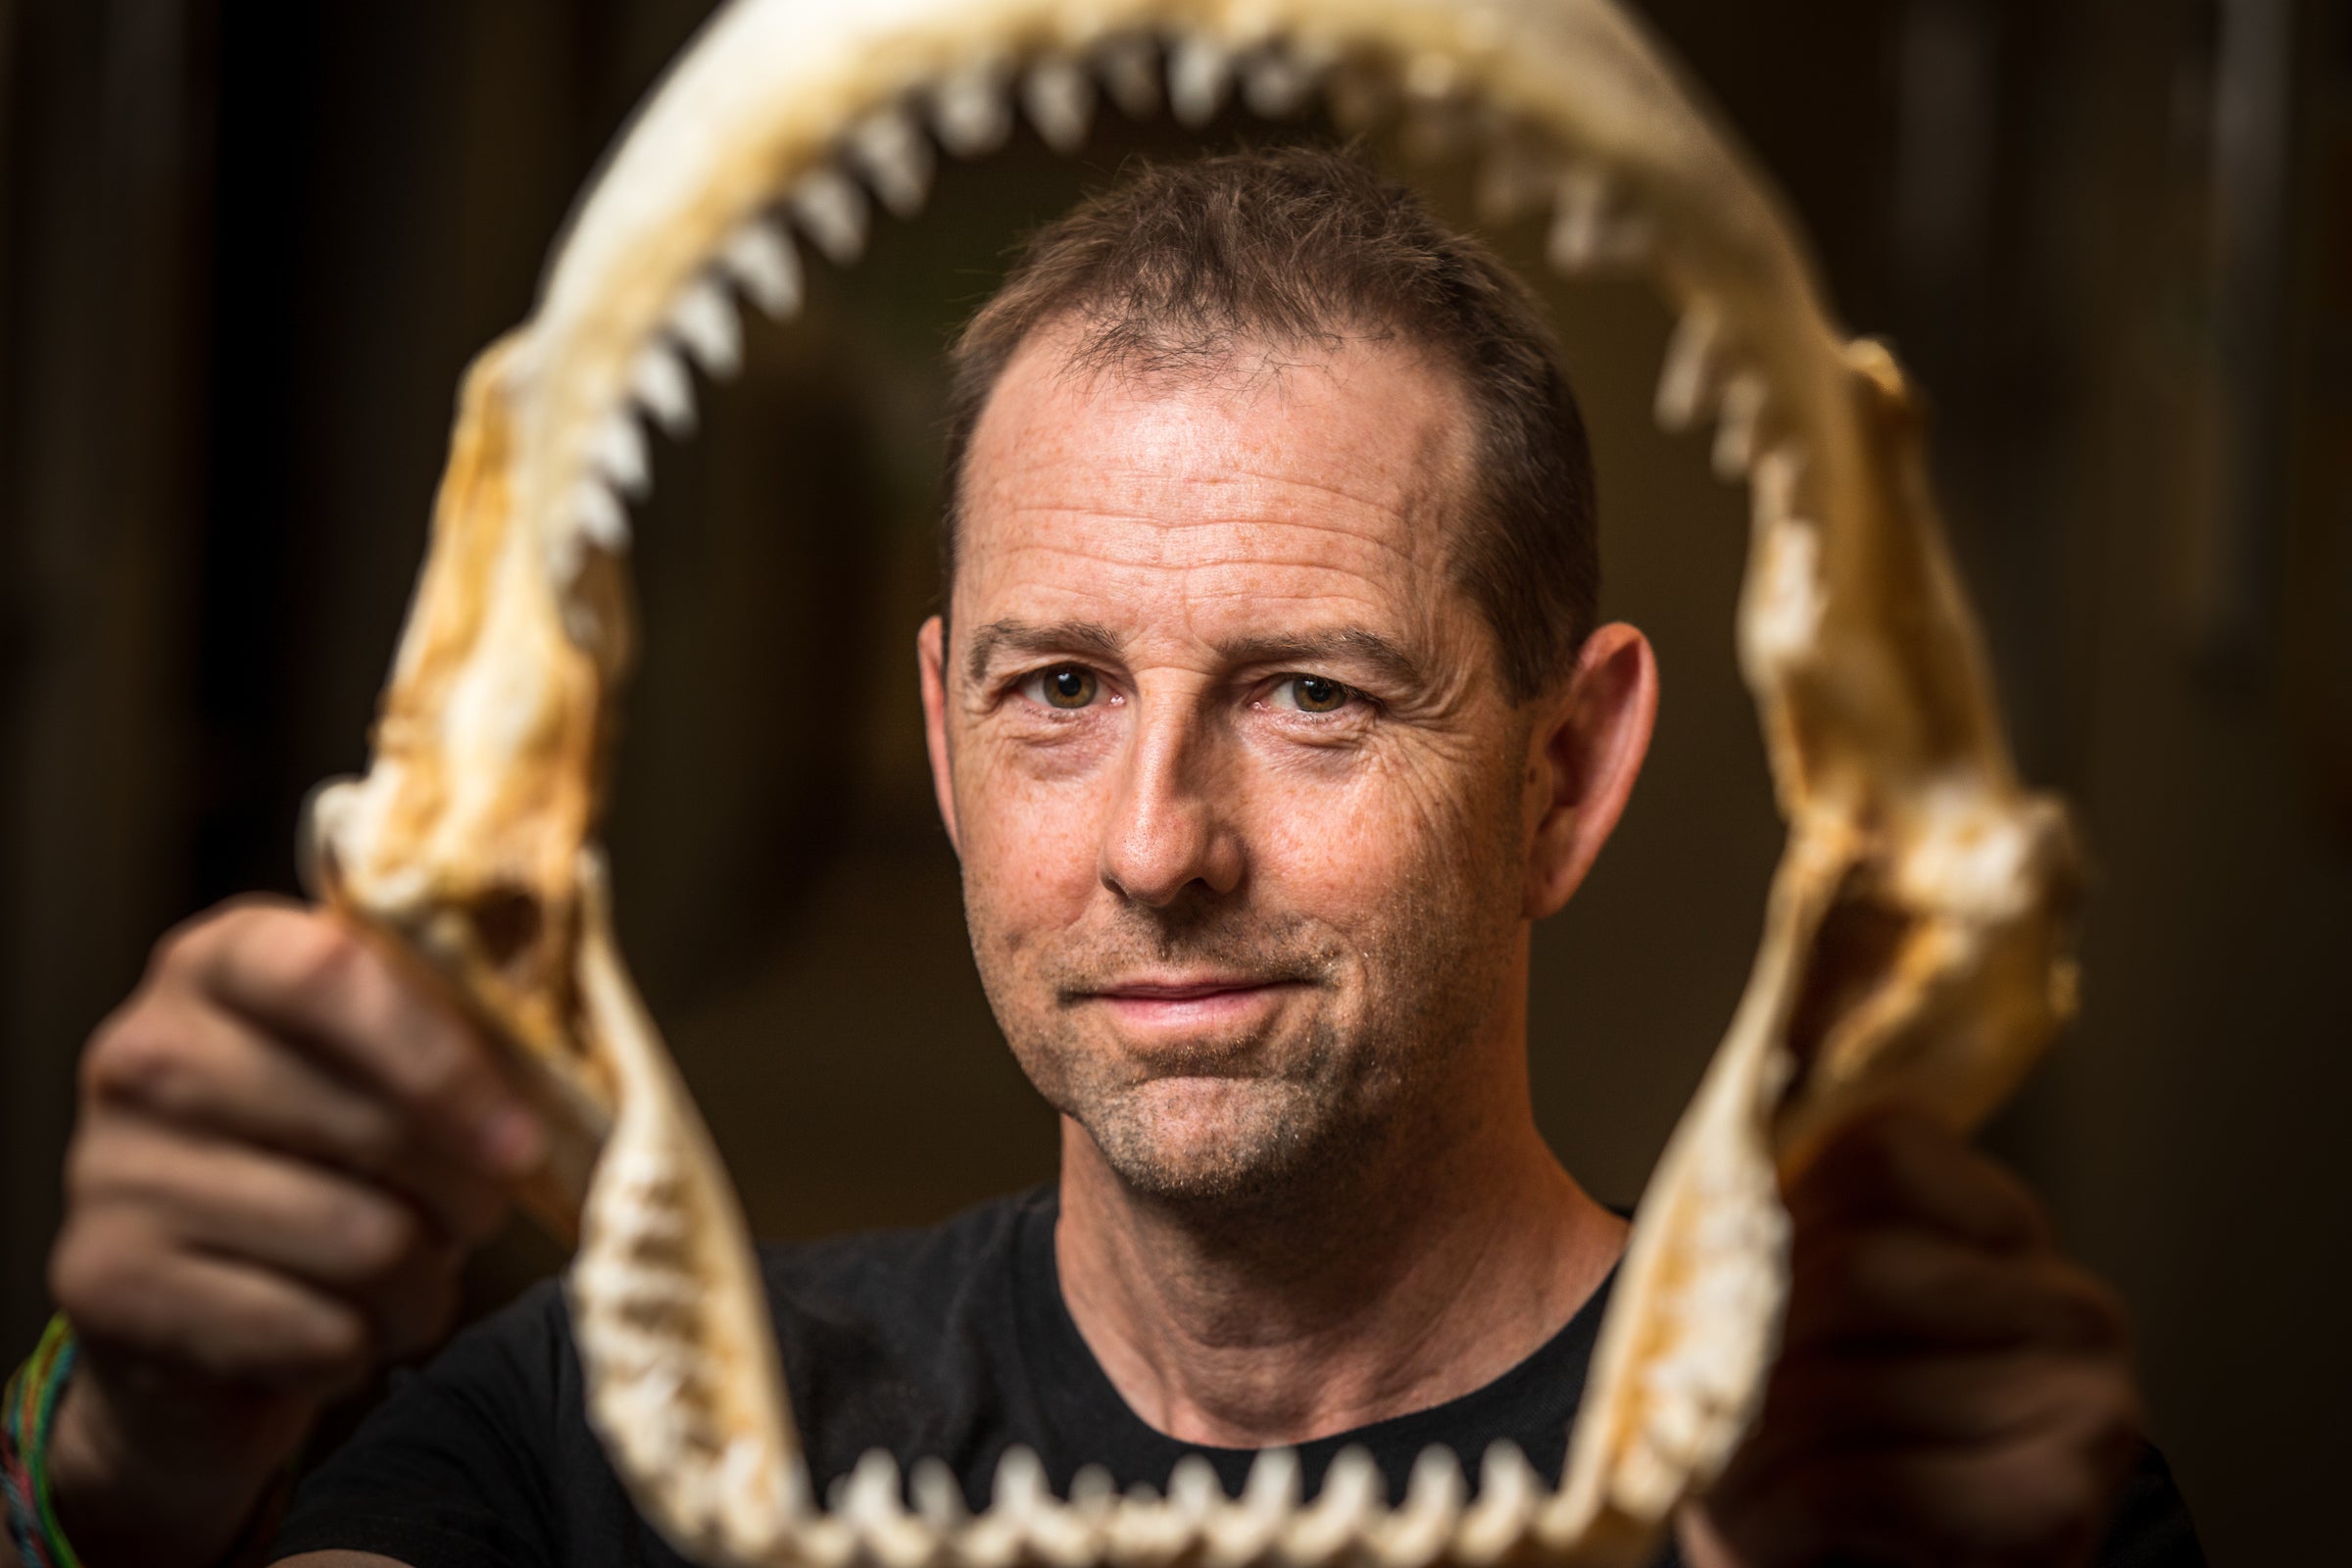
(1266, 715)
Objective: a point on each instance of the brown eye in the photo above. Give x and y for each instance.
(1064, 686)
(1314, 693)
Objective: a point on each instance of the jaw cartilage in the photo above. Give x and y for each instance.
(1918, 934)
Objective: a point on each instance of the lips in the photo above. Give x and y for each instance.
(1179, 1006)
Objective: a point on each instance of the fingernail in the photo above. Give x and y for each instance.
(511, 1140)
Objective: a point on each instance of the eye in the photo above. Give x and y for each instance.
(1064, 686)
(1311, 694)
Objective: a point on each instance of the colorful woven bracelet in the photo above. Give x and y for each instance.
(27, 1411)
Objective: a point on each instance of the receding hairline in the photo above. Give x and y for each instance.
(1446, 491)
(1292, 246)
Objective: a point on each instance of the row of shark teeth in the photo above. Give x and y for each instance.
(639, 1301)
(1350, 1519)
(1595, 226)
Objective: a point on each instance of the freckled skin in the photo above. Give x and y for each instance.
(1215, 715)
(1185, 817)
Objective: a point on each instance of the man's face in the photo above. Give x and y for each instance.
(1240, 794)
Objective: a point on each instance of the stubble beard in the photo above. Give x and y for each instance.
(1311, 1112)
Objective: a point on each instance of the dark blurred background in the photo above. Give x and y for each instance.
(245, 251)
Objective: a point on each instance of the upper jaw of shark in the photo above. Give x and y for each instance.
(1918, 936)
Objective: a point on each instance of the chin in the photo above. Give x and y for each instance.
(1208, 1139)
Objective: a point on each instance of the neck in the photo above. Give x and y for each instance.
(1419, 1277)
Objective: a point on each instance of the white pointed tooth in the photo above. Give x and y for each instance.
(618, 449)
(601, 518)
(1433, 1501)
(971, 110)
(567, 552)
(1130, 69)
(1351, 1495)
(704, 318)
(1199, 69)
(1593, 228)
(832, 210)
(1274, 1481)
(1060, 99)
(1277, 84)
(1193, 1490)
(896, 154)
(760, 257)
(1693, 376)
(1744, 396)
(871, 1497)
(1774, 480)
(660, 381)
(1020, 1485)
(1579, 219)
(1093, 1488)
(938, 1495)
(1507, 1491)
(1241, 1531)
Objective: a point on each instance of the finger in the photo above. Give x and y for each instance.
(211, 1072)
(264, 1210)
(126, 1287)
(310, 977)
(1884, 1288)
(1896, 1164)
(2041, 1500)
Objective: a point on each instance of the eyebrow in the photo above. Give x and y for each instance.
(1339, 644)
(1085, 637)
(1089, 639)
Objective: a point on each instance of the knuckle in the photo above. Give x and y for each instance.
(372, 1139)
(314, 957)
(380, 1236)
(141, 1059)
(327, 1342)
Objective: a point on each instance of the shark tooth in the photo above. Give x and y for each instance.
(895, 156)
(1693, 378)
(657, 380)
(618, 449)
(970, 110)
(1745, 397)
(1060, 99)
(1129, 65)
(1277, 82)
(1199, 71)
(759, 257)
(705, 320)
(832, 212)
(602, 519)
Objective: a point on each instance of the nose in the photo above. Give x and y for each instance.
(1170, 825)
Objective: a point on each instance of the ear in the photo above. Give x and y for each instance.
(931, 657)
(1585, 754)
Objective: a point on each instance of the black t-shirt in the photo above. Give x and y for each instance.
(952, 1342)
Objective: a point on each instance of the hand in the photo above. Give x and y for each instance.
(1950, 1390)
(283, 1152)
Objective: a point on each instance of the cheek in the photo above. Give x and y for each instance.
(1363, 854)
(1031, 860)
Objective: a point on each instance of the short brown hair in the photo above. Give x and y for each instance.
(1180, 263)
